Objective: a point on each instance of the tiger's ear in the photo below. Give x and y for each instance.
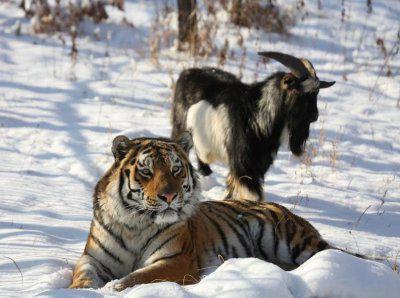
(185, 141)
(120, 147)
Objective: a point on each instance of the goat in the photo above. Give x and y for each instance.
(242, 124)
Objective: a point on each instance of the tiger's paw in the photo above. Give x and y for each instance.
(117, 285)
(83, 283)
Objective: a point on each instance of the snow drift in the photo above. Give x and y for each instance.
(329, 273)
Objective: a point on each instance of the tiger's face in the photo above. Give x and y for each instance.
(156, 179)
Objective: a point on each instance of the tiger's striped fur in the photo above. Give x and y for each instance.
(148, 224)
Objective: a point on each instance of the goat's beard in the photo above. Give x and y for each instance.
(298, 135)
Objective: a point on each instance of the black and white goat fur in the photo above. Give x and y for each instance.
(241, 125)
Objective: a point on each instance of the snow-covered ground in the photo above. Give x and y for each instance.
(57, 122)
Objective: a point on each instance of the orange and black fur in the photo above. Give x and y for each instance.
(149, 225)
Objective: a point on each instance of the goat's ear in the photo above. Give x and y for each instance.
(185, 141)
(290, 82)
(120, 147)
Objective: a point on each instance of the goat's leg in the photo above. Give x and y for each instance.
(243, 188)
(203, 168)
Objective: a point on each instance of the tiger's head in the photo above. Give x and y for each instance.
(151, 179)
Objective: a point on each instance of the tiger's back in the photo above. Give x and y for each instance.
(232, 229)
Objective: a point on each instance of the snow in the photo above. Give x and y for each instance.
(57, 121)
(329, 273)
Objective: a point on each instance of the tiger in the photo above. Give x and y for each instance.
(150, 222)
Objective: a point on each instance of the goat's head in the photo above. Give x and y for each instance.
(301, 86)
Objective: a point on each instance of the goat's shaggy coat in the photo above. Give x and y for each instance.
(242, 125)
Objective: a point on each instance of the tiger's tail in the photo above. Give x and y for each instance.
(361, 256)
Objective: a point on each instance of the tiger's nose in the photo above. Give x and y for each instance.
(168, 197)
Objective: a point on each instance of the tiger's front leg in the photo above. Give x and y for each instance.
(89, 273)
(181, 269)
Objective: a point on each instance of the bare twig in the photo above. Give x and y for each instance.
(19, 269)
(393, 52)
(362, 214)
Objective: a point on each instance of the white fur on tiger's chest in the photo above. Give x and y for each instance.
(210, 130)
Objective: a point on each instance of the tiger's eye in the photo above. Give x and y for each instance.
(146, 171)
(175, 168)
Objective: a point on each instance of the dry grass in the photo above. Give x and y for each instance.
(208, 26)
(387, 57)
(50, 17)
(60, 17)
(260, 15)
(252, 14)
(162, 33)
(394, 264)
(396, 267)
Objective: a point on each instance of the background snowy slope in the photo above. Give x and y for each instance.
(57, 123)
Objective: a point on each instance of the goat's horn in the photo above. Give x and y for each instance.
(294, 64)
(324, 84)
